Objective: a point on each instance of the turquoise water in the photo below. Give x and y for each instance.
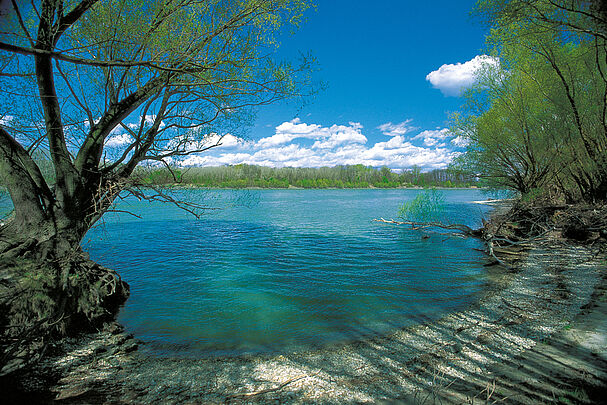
(284, 269)
(274, 270)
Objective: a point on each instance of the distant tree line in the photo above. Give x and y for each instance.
(354, 176)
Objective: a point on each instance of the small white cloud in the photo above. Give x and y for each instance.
(6, 119)
(296, 127)
(391, 129)
(148, 120)
(432, 137)
(186, 144)
(452, 79)
(117, 141)
(275, 140)
(224, 141)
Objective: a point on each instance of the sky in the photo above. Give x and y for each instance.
(394, 71)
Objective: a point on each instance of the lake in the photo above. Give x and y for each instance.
(280, 270)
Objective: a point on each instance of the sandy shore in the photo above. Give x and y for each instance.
(538, 334)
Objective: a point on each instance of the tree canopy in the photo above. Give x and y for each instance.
(538, 122)
(103, 85)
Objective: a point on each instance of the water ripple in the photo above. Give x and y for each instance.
(293, 271)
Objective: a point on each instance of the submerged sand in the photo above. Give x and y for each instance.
(538, 334)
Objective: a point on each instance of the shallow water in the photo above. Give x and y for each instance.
(283, 269)
(272, 270)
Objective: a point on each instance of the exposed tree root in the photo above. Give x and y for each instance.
(48, 300)
(518, 227)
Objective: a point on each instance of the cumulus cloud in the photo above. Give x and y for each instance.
(119, 140)
(333, 145)
(226, 140)
(391, 129)
(433, 137)
(452, 79)
(297, 128)
(288, 131)
(326, 137)
(341, 134)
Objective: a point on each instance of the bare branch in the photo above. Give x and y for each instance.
(58, 55)
(22, 24)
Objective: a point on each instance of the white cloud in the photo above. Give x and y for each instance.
(394, 143)
(391, 129)
(432, 137)
(6, 119)
(148, 120)
(399, 153)
(326, 137)
(117, 141)
(296, 127)
(452, 79)
(460, 141)
(184, 143)
(333, 145)
(274, 140)
(339, 135)
(288, 131)
(225, 141)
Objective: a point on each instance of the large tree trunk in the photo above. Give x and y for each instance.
(48, 285)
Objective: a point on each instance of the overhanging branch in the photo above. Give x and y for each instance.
(90, 62)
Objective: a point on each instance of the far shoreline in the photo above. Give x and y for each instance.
(196, 186)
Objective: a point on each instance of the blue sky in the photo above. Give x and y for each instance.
(375, 59)
(394, 70)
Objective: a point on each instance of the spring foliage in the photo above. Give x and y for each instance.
(427, 206)
(356, 176)
(537, 122)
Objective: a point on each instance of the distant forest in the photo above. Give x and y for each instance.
(357, 176)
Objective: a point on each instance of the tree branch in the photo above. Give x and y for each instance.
(89, 154)
(65, 22)
(30, 194)
(22, 24)
(88, 62)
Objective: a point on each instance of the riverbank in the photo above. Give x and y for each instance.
(536, 335)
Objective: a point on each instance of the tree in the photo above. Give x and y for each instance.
(542, 118)
(182, 68)
(100, 86)
(427, 206)
(508, 131)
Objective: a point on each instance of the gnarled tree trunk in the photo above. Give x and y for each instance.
(48, 286)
